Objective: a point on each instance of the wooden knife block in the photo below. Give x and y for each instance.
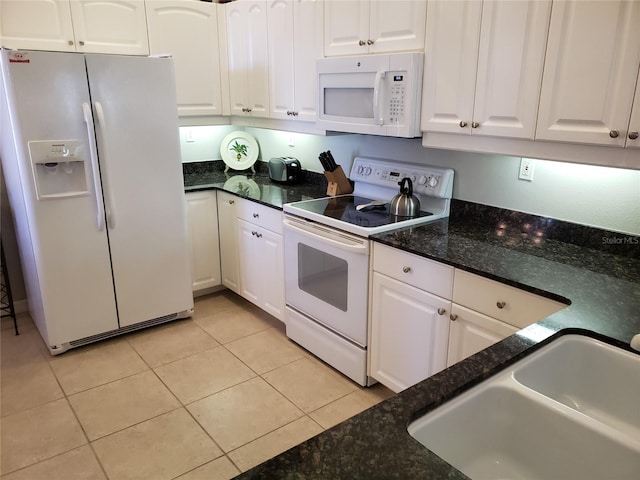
(339, 184)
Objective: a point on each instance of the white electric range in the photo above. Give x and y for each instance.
(327, 256)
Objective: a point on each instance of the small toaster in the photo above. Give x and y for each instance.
(284, 169)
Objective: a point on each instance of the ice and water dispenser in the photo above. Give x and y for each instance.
(59, 168)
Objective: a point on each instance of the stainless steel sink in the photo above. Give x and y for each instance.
(570, 410)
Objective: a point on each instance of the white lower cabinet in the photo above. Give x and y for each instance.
(426, 316)
(261, 257)
(409, 332)
(471, 332)
(229, 264)
(409, 326)
(202, 224)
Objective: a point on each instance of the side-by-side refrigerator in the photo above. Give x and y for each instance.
(91, 158)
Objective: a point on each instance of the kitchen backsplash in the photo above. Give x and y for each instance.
(600, 197)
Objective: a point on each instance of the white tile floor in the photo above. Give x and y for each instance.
(207, 397)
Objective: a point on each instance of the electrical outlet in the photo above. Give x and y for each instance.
(526, 169)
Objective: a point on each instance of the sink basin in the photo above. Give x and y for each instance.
(570, 410)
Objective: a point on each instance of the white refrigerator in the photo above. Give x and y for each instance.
(91, 158)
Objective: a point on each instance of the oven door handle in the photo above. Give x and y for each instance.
(359, 247)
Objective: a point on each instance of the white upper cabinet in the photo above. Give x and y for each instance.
(633, 134)
(295, 42)
(248, 57)
(37, 25)
(110, 26)
(353, 27)
(188, 31)
(590, 72)
(89, 26)
(483, 67)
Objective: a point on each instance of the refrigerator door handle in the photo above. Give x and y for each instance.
(97, 186)
(111, 216)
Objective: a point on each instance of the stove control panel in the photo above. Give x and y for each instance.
(428, 180)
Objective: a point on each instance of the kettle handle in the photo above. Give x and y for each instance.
(408, 190)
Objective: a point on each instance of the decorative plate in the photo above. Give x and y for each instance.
(243, 186)
(239, 150)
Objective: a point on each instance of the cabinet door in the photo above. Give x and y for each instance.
(409, 333)
(590, 72)
(281, 58)
(248, 57)
(271, 260)
(451, 45)
(110, 26)
(37, 25)
(472, 331)
(202, 224)
(173, 26)
(249, 262)
(513, 38)
(397, 25)
(228, 233)
(308, 38)
(633, 139)
(346, 27)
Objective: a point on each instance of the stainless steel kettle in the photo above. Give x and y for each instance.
(405, 203)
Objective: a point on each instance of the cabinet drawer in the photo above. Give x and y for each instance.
(422, 273)
(260, 215)
(509, 304)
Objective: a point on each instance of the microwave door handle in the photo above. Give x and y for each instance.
(377, 103)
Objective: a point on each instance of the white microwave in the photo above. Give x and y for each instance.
(371, 94)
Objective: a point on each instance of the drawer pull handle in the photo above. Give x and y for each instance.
(256, 215)
(500, 304)
(441, 311)
(406, 269)
(453, 317)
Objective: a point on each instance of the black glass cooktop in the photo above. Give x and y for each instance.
(344, 208)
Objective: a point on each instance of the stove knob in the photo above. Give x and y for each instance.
(367, 171)
(413, 178)
(433, 181)
(360, 170)
(422, 180)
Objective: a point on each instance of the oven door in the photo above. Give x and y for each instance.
(327, 276)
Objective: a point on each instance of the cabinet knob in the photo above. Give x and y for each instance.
(500, 304)
(463, 124)
(295, 114)
(453, 317)
(614, 133)
(231, 202)
(253, 233)
(633, 135)
(369, 42)
(362, 43)
(81, 42)
(441, 311)
(249, 110)
(70, 42)
(259, 235)
(256, 215)
(406, 269)
(475, 124)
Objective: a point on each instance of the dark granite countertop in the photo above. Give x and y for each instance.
(597, 272)
(255, 186)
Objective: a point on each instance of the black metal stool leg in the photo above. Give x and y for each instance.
(5, 292)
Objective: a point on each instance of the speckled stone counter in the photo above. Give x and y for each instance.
(255, 186)
(598, 273)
